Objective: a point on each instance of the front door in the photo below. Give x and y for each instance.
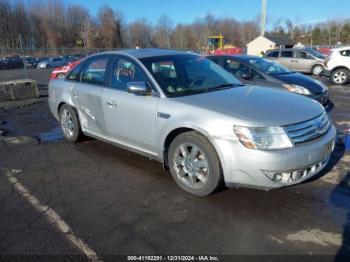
(87, 94)
(130, 118)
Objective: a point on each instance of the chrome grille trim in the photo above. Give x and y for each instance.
(308, 130)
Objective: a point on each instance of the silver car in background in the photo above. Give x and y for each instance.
(52, 62)
(197, 119)
(304, 60)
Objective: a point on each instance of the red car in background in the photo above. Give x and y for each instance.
(60, 72)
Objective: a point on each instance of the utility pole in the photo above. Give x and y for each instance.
(23, 58)
(263, 17)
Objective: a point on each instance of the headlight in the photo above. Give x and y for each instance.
(265, 138)
(297, 89)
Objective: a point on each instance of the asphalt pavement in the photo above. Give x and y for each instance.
(120, 203)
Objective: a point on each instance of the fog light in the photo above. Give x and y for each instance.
(278, 177)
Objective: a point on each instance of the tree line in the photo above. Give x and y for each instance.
(53, 24)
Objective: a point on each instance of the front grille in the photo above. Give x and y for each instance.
(309, 130)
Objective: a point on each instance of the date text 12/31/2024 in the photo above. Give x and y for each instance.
(173, 258)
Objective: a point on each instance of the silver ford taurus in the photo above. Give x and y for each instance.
(198, 120)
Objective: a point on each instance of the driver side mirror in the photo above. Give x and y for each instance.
(247, 76)
(138, 88)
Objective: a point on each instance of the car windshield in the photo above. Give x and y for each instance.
(315, 53)
(269, 67)
(180, 75)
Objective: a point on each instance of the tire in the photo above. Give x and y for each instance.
(200, 173)
(316, 70)
(70, 124)
(60, 75)
(340, 76)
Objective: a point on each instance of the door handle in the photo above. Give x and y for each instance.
(112, 104)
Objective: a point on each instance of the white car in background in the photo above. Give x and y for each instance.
(337, 66)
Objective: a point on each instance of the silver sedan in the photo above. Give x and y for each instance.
(187, 112)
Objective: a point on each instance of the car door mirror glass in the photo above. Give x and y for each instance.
(139, 88)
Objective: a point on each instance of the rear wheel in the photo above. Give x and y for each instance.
(194, 164)
(70, 124)
(317, 69)
(340, 76)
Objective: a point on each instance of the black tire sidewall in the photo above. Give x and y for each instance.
(75, 118)
(215, 170)
(338, 70)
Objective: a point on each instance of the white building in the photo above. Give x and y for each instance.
(263, 43)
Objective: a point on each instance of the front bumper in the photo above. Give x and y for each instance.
(323, 99)
(253, 168)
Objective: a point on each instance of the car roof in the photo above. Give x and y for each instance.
(144, 52)
(341, 48)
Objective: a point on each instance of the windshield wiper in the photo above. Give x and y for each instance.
(223, 86)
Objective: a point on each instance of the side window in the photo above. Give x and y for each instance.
(236, 68)
(95, 71)
(166, 75)
(257, 76)
(124, 72)
(302, 55)
(345, 53)
(287, 54)
(74, 74)
(273, 54)
(215, 60)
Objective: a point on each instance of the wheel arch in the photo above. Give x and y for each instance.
(340, 67)
(173, 133)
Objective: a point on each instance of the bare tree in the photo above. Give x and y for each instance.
(163, 32)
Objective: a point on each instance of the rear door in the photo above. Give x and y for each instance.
(287, 58)
(87, 94)
(130, 118)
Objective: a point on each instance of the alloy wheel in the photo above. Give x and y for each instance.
(317, 70)
(339, 77)
(191, 165)
(67, 123)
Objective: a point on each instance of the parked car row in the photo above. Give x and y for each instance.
(197, 118)
(10, 62)
(16, 61)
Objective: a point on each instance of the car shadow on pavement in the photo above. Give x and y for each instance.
(340, 198)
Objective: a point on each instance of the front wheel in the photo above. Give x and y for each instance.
(60, 75)
(340, 76)
(194, 164)
(317, 69)
(70, 124)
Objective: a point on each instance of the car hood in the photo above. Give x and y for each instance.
(257, 106)
(302, 80)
